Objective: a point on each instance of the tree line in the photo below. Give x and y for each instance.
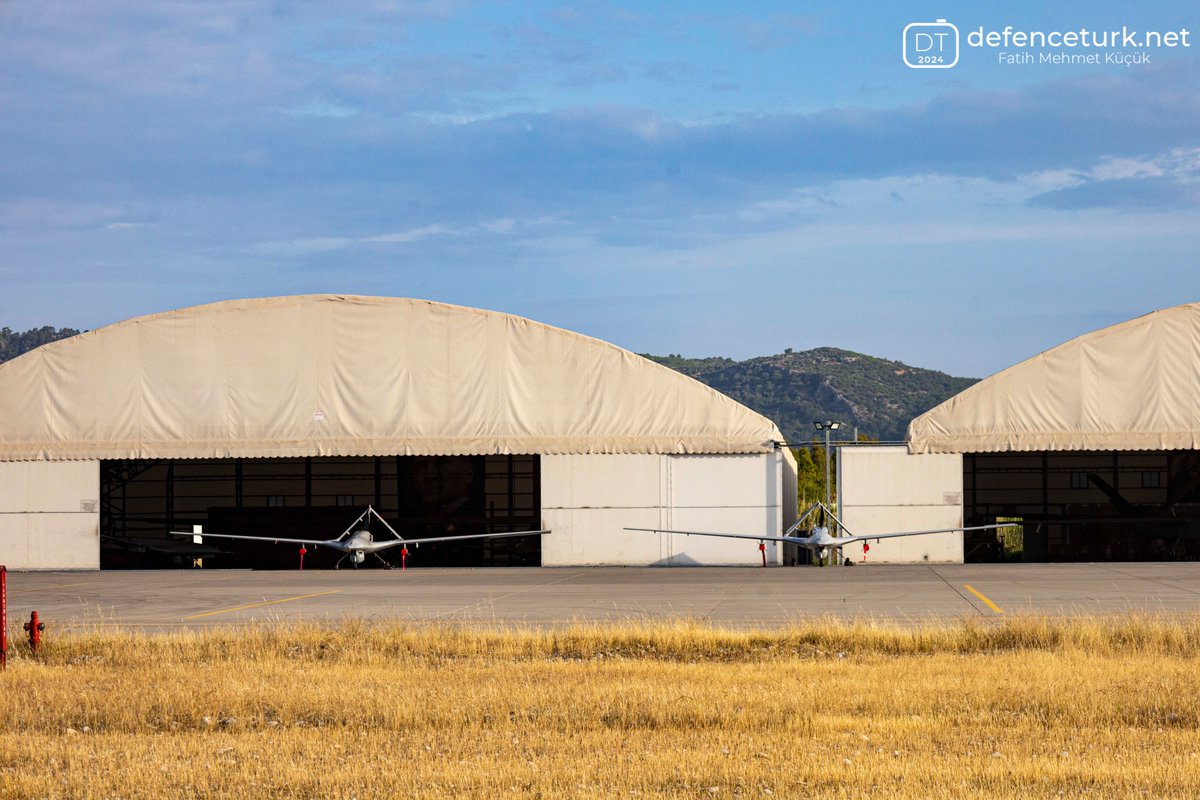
(14, 343)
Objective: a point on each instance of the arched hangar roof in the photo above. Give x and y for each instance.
(353, 376)
(1132, 386)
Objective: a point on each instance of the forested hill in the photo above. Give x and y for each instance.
(14, 343)
(794, 389)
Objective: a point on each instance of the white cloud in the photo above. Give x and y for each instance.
(323, 244)
(319, 108)
(500, 226)
(37, 213)
(504, 226)
(413, 235)
(302, 247)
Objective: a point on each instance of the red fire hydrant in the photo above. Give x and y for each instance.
(35, 629)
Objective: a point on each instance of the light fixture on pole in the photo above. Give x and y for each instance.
(827, 426)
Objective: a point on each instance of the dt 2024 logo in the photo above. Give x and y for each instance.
(931, 45)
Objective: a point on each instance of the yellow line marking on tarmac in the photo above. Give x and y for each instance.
(986, 602)
(260, 605)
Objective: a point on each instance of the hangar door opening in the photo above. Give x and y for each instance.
(1084, 505)
(317, 498)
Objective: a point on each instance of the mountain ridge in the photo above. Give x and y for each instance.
(795, 388)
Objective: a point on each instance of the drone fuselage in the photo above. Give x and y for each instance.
(819, 540)
(361, 542)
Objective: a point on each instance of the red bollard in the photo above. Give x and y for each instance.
(35, 629)
(302, 552)
(3, 617)
(403, 557)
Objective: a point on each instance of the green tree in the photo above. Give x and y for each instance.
(14, 343)
(810, 474)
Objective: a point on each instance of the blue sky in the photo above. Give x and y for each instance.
(697, 178)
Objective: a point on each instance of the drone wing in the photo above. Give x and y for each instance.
(163, 546)
(807, 541)
(386, 544)
(865, 537)
(323, 542)
(789, 539)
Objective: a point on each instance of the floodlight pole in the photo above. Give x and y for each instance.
(828, 426)
(828, 485)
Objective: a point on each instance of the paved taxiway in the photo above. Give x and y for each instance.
(740, 597)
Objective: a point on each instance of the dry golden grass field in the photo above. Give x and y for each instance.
(1019, 708)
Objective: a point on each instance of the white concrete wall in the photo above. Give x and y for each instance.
(588, 499)
(883, 489)
(50, 514)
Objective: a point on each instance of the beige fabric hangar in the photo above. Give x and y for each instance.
(1132, 386)
(1094, 443)
(303, 404)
